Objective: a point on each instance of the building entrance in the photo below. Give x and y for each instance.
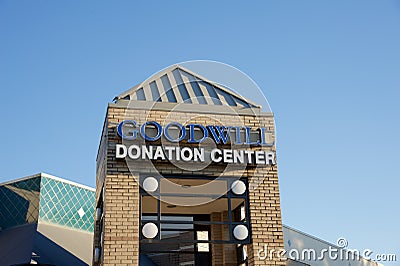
(193, 221)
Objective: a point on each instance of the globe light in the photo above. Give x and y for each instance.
(240, 232)
(150, 184)
(150, 230)
(238, 187)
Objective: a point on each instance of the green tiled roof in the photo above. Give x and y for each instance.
(44, 198)
(65, 204)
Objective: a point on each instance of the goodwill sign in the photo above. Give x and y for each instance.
(238, 136)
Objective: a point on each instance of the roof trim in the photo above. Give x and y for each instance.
(185, 107)
(68, 181)
(51, 177)
(325, 242)
(20, 179)
(311, 236)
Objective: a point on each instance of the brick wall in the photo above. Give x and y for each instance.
(121, 203)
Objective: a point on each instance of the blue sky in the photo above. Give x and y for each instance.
(330, 71)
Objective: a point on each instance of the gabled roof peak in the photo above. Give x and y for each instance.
(177, 84)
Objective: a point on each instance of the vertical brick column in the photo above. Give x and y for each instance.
(265, 215)
(229, 250)
(121, 236)
(216, 233)
(222, 254)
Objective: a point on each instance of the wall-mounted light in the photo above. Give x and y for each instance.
(150, 230)
(240, 232)
(150, 184)
(238, 187)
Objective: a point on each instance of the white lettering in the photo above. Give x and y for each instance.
(131, 155)
(193, 154)
(238, 156)
(214, 154)
(159, 154)
(260, 157)
(199, 155)
(189, 152)
(120, 151)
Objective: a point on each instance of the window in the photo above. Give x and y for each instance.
(181, 86)
(140, 95)
(154, 92)
(193, 216)
(168, 89)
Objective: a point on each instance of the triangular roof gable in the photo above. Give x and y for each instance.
(177, 84)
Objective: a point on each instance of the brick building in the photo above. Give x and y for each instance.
(186, 175)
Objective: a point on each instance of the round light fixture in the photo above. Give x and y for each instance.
(238, 187)
(240, 232)
(150, 184)
(150, 230)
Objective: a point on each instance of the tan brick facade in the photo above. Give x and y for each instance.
(120, 205)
